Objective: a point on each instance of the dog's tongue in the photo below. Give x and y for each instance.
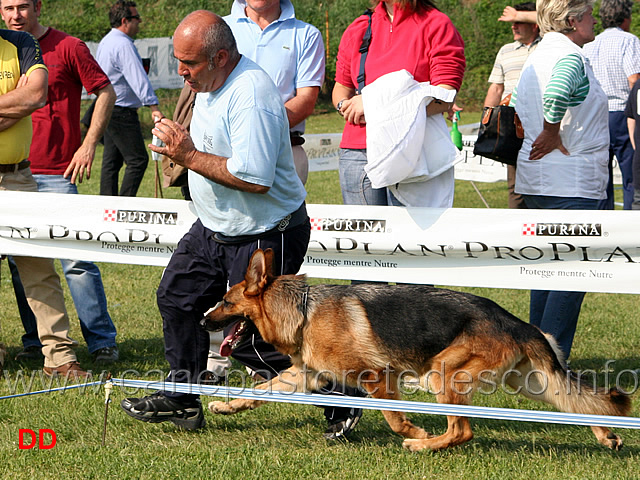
(226, 346)
(225, 349)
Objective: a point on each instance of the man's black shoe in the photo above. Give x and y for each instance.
(339, 429)
(158, 408)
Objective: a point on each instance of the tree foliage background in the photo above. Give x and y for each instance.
(475, 20)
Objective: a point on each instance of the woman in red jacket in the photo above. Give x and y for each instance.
(405, 34)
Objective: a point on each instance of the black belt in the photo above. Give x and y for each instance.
(14, 167)
(289, 222)
(296, 139)
(117, 107)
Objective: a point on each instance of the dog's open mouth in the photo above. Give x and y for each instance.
(231, 341)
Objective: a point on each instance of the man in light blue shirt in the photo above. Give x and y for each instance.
(291, 52)
(247, 196)
(256, 146)
(123, 141)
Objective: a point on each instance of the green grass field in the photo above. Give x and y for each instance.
(282, 441)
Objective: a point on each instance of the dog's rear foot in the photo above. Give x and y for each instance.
(607, 438)
(613, 441)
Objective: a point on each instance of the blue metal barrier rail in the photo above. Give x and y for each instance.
(380, 404)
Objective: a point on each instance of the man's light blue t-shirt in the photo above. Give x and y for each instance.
(246, 122)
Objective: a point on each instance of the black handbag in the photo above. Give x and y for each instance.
(500, 135)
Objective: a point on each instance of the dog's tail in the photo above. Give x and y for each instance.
(550, 381)
(545, 377)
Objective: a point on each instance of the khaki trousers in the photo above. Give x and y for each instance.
(42, 287)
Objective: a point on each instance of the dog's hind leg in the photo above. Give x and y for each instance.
(457, 387)
(398, 421)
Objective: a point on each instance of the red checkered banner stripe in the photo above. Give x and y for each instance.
(529, 229)
(110, 215)
(592, 251)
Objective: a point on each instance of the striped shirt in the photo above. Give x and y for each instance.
(567, 87)
(508, 64)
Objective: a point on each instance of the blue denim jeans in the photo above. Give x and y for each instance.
(354, 182)
(85, 285)
(557, 312)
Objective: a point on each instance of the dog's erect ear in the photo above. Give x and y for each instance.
(268, 263)
(259, 272)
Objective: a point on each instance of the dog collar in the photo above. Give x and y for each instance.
(305, 303)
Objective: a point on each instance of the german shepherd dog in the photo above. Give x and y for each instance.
(368, 334)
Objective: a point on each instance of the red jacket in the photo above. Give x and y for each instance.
(427, 45)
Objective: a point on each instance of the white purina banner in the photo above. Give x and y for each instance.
(595, 251)
(141, 231)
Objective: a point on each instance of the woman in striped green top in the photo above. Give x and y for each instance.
(564, 156)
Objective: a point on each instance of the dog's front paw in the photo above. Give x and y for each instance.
(414, 444)
(221, 408)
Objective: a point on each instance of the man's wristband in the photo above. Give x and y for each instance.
(339, 105)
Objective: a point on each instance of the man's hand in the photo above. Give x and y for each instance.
(83, 158)
(22, 81)
(6, 123)
(180, 149)
(510, 14)
(156, 114)
(81, 164)
(178, 144)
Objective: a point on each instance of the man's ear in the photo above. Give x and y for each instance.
(221, 58)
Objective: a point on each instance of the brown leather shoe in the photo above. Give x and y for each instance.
(71, 369)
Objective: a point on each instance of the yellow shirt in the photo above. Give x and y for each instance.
(19, 54)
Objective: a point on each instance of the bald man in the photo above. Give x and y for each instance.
(246, 193)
